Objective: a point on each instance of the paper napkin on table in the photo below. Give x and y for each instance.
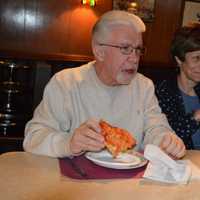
(163, 168)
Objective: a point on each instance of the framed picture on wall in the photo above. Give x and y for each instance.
(142, 8)
(191, 13)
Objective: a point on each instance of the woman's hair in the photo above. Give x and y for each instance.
(186, 39)
(114, 18)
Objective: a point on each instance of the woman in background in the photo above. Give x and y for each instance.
(180, 98)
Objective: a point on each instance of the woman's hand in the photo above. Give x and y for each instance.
(87, 138)
(173, 145)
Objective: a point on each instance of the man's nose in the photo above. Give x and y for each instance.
(134, 56)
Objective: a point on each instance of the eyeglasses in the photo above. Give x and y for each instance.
(127, 50)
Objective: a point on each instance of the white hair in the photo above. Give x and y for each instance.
(114, 18)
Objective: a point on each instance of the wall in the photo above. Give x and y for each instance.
(48, 29)
(60, 30)
(168, 16)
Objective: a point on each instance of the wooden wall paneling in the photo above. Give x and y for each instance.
(10, 28)
(160, 32)
(32, 24)
(48, 29)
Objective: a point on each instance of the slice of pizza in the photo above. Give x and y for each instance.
(117, 139)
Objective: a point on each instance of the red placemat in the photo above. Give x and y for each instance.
(94, 171)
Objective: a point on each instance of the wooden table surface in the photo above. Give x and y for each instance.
(31, 177)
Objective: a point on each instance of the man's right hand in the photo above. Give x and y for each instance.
(87, 138)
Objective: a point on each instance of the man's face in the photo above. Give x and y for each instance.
(191, 66)
(119, 68)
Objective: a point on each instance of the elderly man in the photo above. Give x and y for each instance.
(66, 122)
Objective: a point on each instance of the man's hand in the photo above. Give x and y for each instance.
(173, 145)
(87, 138)
(196, 115)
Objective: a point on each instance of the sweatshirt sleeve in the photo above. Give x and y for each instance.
(48, 133)
(155, 122)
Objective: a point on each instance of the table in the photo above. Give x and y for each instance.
(24, 176)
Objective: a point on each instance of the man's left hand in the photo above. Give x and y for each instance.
(173, 145)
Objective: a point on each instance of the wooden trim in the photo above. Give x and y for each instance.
(41, 56)
(198, 1)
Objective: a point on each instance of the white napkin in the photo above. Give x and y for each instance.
(163, 168)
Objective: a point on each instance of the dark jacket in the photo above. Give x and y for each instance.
(171, 103)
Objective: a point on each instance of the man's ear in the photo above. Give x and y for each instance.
(178, 61)
(98, 51)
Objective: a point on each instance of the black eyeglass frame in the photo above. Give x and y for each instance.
(138, 50)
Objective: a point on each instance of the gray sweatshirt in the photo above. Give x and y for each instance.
(75, 95)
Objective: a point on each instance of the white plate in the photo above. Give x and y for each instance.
(129, 160)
